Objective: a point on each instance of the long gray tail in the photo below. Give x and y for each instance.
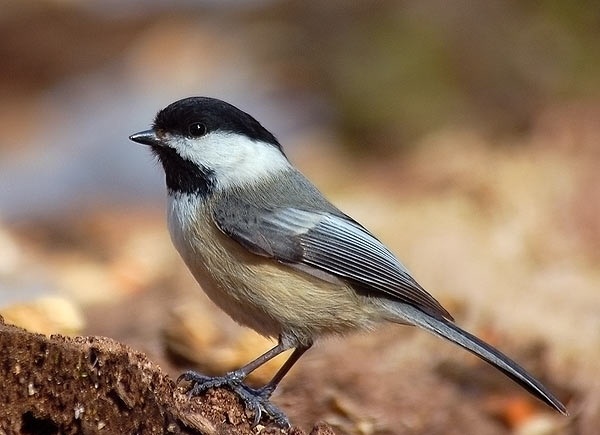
(448, 330)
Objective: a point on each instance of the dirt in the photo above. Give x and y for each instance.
(96, 385)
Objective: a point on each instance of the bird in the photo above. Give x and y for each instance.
(273, 253)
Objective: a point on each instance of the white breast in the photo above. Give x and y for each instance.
(182, 210)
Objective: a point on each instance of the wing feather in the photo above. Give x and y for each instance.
(331, 243)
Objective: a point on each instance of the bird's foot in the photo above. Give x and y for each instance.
(201, 383)
(255, 400)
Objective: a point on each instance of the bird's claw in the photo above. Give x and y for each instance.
(255, 400)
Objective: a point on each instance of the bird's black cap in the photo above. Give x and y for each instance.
(214, 115)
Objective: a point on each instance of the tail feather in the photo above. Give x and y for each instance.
(449, 331)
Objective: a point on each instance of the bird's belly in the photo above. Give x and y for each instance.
(235, 299)
(276, 300)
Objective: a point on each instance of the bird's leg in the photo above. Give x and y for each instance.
(268, 389)
(256, 400)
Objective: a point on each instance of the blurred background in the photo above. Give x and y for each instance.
(464, 134)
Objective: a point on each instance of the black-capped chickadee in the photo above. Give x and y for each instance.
(274, 254)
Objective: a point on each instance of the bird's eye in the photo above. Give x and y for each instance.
(197, 129)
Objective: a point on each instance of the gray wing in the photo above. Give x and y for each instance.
(325, 242)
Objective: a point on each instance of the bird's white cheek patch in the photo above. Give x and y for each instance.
(235, 159)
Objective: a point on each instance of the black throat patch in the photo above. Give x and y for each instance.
(184, 176)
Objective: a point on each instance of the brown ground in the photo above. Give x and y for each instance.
(95, 385)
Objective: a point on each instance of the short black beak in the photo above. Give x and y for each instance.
(147, 137)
